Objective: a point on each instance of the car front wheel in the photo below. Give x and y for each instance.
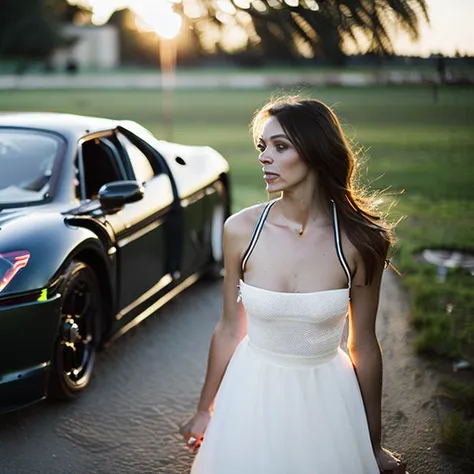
(79, 332)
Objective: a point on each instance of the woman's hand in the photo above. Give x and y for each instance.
(193, 429)
(387, 462)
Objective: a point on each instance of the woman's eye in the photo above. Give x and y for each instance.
(260, 148)
(280, 147)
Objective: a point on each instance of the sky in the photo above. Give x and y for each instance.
(451, 28)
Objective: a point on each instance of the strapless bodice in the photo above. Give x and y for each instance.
(295, 324)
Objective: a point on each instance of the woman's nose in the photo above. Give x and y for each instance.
(264, 158)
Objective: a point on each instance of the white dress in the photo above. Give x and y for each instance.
(289, 402)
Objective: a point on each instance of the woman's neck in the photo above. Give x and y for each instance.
(302, 207)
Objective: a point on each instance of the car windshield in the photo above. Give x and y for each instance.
(27, 160)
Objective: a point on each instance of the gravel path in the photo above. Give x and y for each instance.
(410, 414)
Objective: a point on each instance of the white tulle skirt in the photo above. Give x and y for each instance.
(284, 415)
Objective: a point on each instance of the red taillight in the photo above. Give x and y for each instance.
(10, 264)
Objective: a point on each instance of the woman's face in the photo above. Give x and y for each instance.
(282, 166)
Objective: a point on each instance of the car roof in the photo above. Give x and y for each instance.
(62, 123)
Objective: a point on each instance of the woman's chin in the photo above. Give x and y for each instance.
(273, 188)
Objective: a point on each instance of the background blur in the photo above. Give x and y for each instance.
(399, 74)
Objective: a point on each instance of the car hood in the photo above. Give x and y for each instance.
(10, 215)
(7, 215)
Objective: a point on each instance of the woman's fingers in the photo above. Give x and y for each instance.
(190, 438)
(194, 442)
(193, 430)
(186, 429)
(197, 445)
(183, 428)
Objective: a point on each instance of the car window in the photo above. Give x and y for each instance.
(100, 165)
(27, 161)
(141, 165)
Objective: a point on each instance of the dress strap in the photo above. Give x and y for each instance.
(256, 234)
(337, 237)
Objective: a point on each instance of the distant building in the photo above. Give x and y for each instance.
(94, 47)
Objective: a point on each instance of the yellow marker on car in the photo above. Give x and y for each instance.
(44, 295)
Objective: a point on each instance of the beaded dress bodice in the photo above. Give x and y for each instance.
(295, 324)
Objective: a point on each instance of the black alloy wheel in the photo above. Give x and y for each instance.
(79, 332)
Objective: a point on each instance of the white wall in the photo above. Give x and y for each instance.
(95, 47)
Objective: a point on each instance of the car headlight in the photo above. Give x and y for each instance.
(10, 264)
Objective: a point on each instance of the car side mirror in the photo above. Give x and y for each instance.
(118, 193)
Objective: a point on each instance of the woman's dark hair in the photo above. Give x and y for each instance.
(315, 132)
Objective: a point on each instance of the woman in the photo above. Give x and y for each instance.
(287, 399)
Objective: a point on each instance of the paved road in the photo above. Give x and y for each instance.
(144, 385)
(149, 380)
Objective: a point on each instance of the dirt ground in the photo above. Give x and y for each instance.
(410, 413)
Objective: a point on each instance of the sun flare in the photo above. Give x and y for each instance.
(152, 15)
(158, 17)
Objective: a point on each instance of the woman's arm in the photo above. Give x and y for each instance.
(229, 330)
(231, 327)
(364, 348)
(366, 356)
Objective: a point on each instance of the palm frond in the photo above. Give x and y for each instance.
(335, 22)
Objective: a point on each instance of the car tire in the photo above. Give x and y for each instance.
(78, 333)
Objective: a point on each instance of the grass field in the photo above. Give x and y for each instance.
(411, 144)
(419, 150)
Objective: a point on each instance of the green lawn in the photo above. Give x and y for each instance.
(410, 142)
(420, 151)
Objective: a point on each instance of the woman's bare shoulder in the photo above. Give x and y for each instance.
(241, 224)
(350, 251)
(347, 245)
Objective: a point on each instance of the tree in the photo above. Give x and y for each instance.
(317, 28)
(28, 30)
(64, 12)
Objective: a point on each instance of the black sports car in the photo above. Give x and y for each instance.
(101, 223)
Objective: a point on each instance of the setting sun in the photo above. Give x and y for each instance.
(156, 15)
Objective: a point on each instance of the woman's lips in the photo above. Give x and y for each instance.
(270, 177)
